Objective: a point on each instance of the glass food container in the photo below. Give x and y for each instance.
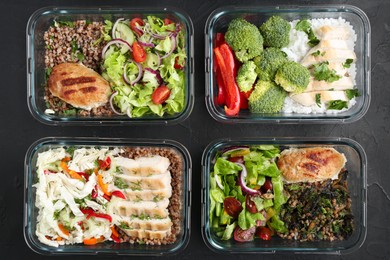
(42, 19)
(218, 22)
(356, 166)
(182, 189)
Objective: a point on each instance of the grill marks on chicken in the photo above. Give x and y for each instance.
(310, 164)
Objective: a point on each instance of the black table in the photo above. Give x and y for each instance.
(18, 128)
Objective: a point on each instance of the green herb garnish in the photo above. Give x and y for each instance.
(318, 53)
(318, 99)
(322, 72)
(347, 63)
(337, 104)
(352, 93)
(305, 26)
(69, 112)
(121, 184)
(64, 23)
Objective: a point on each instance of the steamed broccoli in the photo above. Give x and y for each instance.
(269, 62)
(293, 77)
(246, 76)
(276, 32)
(245, 39)
(266, 97)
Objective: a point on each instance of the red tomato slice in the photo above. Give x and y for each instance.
(177, 65)
(160, 94)
(264, 233)
(133, 25)
(139, 54)
(232, 206)
(167, 21)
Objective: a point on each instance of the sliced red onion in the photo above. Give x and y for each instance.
(241, 181)
(159, 60)
(138, 30)
(157, 74)
(112, 104)
(146, 44)
(174, 45)
(234, 148)
(115, 41)
(177, 30)
(114, 27)
(126, 79)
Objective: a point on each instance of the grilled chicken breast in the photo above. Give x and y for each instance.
(319, 85)
(309, 98)
(143, 166)
(327, 32)
(310, 164)
(330, 55)
(79, 86)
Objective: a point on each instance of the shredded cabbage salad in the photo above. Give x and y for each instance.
(135, 82)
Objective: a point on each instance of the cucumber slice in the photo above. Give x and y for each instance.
(152, 61)
(124, 32)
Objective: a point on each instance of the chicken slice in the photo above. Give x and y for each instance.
(152, 195)
(310, 164)
(147, 234)
(309, 98)
(139, 208)
(154, 182)
(154, 224)
(330, 55)
(143, 166)
(319, 85)
(333, 32)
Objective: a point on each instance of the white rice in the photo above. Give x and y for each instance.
(298, 48)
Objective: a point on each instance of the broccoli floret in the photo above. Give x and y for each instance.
(246, 76)
(276, 32)
(267, 97)
(293, 77)
(245, 39)
(269, 62)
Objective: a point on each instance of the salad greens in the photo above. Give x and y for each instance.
(258, 203)
(134, 83)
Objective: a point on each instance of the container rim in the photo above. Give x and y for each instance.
(109, 121)
(285, 140)
(86, 141)
(337, 119)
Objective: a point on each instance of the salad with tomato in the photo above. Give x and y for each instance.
(144, 61)
(246, 193)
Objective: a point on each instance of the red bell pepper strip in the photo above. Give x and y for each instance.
(244, 101)
(91, 213)
(94, 193)
(221, 98)
(119, 194)
(226, 63)
(105, 164)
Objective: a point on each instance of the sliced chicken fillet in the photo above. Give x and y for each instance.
(330, 55)
(309, 98)
(333, 32)
(320, 85)
(133, 208)
(147, 234)
(144, 166)
(147, 224)
(154, 182)
(152, 195)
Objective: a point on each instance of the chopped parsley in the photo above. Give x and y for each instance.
(318, 99)
(352, 93)
(124, 225)
(48, 72)
(318, 53)
(322, 72)
(121, 184)
(64, 23)
(70, 150)
(337, 104)
(305, 26)
(347, 63)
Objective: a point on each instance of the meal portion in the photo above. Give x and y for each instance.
(261, 191)
(92, 195)
(127, 67)
(301, 66)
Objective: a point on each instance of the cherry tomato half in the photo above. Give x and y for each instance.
(236, 159)
(177, 64)
(133, 25)
(161, 94)
(167, 21)
(267, 186)
(241, 235)
(264, 233)
(139, 54)
(232, 206)
(250, 205)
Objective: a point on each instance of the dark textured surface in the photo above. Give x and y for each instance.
(18, 128)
